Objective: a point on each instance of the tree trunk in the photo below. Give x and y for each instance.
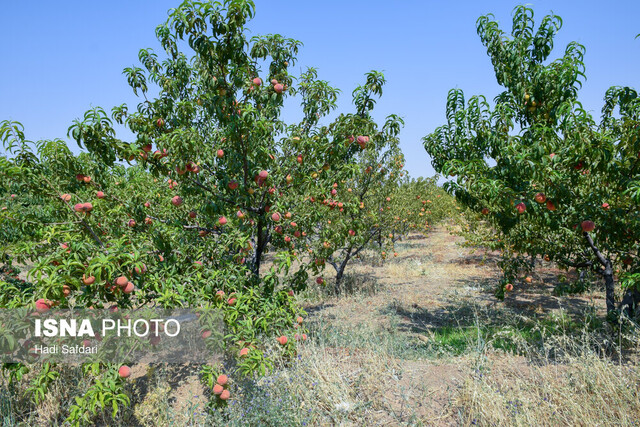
(609, 287)
(630, 302)
(260, 245)
(340, 271)
(609, 283)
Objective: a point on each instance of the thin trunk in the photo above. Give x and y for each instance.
(609, 283)
(259, 248)
(340, 271)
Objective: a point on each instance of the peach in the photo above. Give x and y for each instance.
(66, 197)
(226, 394)
(244, 351)
(282, 340)
(222, 220)
(88, 280)
(275, 217)
(206, 334)
(220, 154)
(551, 206)
(100, 195)
(124, 371)
(217, 389)
(256, 81)
(122, 281)
(129, 288)
(139, 270)
(222, 379)
(588, 226)
(42, 305)
(176, 200)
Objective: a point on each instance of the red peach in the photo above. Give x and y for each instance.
(588, 226)
(122, 281)
(42, 305)
(124, 372)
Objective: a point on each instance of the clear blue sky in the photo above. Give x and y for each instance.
(61, 58)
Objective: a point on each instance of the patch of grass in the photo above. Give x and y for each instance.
(585, 390)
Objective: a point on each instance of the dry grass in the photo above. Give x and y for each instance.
(586, 390)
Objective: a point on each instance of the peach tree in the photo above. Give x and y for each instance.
(353, 208)
(218, 177)
(551, 181)
(214, 130)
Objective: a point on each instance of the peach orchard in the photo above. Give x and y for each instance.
(213, 183)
